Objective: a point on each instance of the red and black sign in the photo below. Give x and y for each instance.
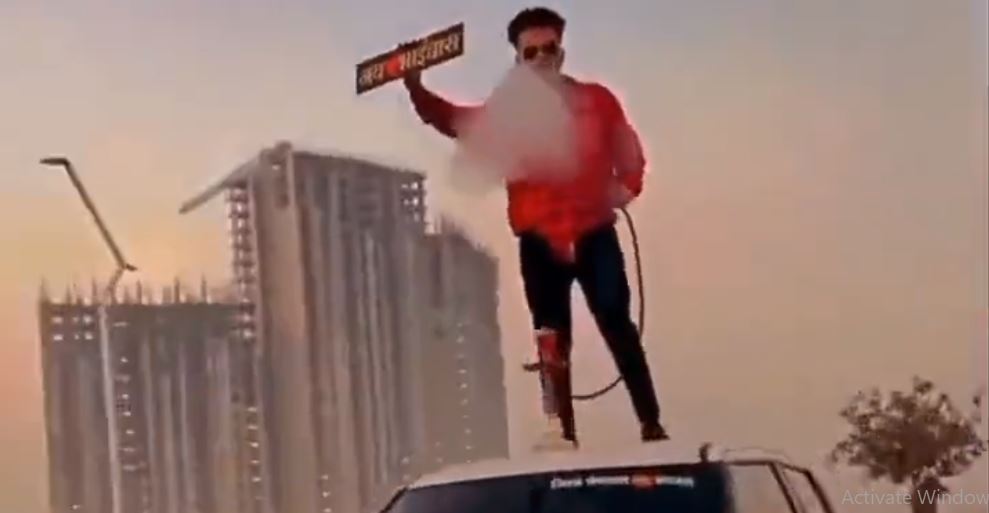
(429, 51)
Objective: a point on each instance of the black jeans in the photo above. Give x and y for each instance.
(599, 268)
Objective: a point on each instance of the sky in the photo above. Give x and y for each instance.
(814, 220)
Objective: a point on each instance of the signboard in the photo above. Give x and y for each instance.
(427, 52)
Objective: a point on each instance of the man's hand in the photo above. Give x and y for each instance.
(412, 77)
(619, 195)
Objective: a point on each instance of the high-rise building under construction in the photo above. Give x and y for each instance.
(378, 333)
(184, 405)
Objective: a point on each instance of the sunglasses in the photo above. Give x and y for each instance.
(551, 49)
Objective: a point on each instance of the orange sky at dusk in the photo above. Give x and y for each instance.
(814, 219)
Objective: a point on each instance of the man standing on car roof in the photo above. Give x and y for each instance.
(566, 229)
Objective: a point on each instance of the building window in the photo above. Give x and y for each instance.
(321, 191)
(343, 199)
(301, 180)
(281, 186)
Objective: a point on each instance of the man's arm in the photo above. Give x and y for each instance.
(628, 156)
(434, 110)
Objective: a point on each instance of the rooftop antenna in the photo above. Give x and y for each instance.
(108, 295)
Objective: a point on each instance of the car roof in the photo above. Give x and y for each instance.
(639, 455)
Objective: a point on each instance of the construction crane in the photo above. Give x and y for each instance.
(108, 295)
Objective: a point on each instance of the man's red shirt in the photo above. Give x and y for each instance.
(608, 154)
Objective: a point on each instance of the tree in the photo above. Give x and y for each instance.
(916, 438)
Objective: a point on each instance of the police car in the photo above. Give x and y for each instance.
(655, 477)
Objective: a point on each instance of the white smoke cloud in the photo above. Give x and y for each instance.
(524, 130)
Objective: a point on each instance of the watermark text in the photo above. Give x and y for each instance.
(956, 498)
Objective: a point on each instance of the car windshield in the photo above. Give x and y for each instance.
(673, 489)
